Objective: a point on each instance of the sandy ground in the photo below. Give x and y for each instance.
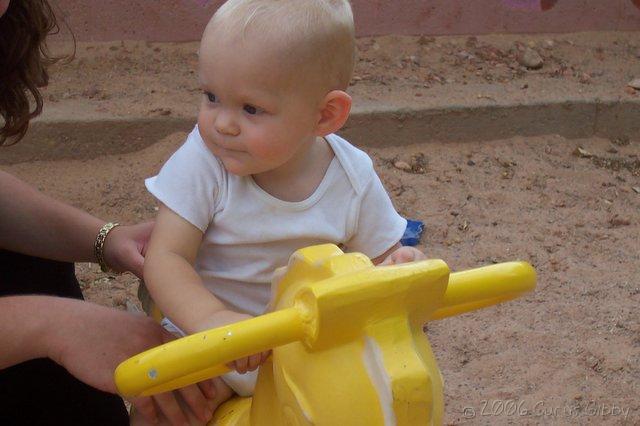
(569, 353)
(572, 345)
(160, 79)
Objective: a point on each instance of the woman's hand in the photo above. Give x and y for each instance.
(125, 247)
(91, 340)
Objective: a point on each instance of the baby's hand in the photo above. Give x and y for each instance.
(225, 317)
(403, 254)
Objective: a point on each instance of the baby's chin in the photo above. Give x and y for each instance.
(233, 167)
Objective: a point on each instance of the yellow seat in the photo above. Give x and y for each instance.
(347, 338)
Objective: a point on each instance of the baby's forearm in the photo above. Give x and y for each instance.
(179, 292)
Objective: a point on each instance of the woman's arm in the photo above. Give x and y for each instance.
(35, 224)
(89, 341)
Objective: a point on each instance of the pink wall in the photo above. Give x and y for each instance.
(183, 20)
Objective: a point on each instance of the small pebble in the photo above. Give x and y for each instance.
(402, 165)
(635, 83)
(91, 92)
(119, 299)
(585, 78)
(530, 59)
(464, 55)
(426, 40)
(616, 222)
(415, 60)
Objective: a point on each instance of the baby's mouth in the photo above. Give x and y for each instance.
(225, 147)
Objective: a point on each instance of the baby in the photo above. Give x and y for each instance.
(263, 174)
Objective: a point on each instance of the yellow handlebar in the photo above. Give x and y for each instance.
(204, 355)
(481, 287)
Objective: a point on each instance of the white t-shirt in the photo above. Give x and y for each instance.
(248, 233)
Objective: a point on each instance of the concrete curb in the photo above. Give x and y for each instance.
(459, 123)
(62, 137)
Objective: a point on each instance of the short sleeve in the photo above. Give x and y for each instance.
(378, 226)
(190, 182)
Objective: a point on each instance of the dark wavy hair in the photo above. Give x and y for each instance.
(24, 58)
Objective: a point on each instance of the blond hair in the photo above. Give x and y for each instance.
(316, 36)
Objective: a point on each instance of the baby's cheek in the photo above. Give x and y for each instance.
(205, 121)
(205, 126)
(209, 145)
(264, 147)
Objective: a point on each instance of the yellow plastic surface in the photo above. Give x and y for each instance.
(347, 339)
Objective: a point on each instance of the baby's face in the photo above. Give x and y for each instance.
(250, 117)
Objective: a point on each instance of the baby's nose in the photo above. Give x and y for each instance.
(226, 124)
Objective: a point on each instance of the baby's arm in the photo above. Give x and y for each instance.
(176, 287)
(170, 277)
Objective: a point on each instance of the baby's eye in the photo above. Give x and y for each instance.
(250, 109)
(212, 98)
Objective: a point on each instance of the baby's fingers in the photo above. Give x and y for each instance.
(264, 356)
(416, 255)
(257, 360)
(403, 255)
(241, 365)
(254, 362)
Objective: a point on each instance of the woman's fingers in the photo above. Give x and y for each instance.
(208, 388)
(146, 408)
(171, 409)
(197, 402)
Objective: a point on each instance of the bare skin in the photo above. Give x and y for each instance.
(95, 339)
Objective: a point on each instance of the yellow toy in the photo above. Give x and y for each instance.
(347, 338)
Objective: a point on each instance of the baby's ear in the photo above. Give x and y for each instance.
(334, 112)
